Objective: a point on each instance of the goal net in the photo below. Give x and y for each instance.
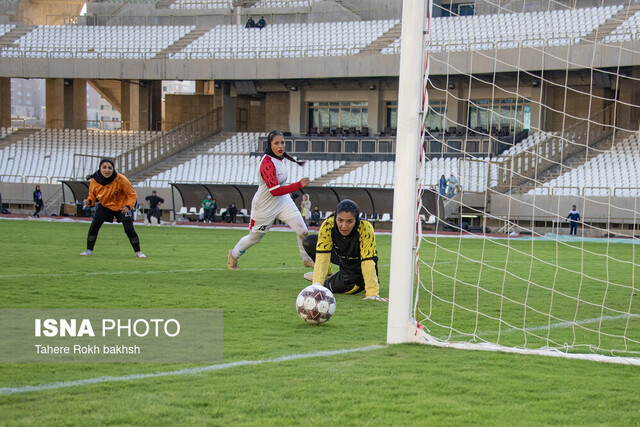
(519, 166)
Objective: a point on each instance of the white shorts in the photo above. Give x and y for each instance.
(261, 222)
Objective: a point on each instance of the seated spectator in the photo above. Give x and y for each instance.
(230, 214)
(315, 217)
(261, 23)
(89, 212)
(250, 23)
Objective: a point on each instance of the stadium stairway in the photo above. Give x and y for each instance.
(182, 42)
(164, 4)
(452, 207)
(17, 136)
(587, 142)
(599, 33)
(20, 30)
(181, 157)
(383, 41)
(342, 170)
(581, 157)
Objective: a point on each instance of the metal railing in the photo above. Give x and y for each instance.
(32, 179)
(159, 148)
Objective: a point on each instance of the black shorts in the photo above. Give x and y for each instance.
(341, 283)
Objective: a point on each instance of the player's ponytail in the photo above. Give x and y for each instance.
(298, 162)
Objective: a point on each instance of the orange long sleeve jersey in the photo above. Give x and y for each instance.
(115, 195)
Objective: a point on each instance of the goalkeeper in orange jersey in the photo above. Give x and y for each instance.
(349, 242)
(116, 197)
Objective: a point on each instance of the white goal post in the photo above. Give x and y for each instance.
(410, 102)
(534, 104)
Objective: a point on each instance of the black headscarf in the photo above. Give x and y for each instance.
(347, 247)
(98, 176)
(270, 152)
(348, 205)
(37, 194)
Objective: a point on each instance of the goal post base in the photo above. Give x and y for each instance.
(417, 334)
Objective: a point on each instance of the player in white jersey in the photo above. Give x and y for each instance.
(273, 201)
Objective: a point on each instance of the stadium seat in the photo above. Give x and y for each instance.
(182, 212)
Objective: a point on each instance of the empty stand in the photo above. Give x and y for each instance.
(5, 28)
(627, 31)
(49, 153)
(202, 4)
(283, 3)
(501, 31)
(613, 173)
(245, 142)
(78, 41)
(511, 30)
(286, 40)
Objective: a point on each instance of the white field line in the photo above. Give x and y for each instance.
(191, 371)
(109, 273)
(188, 371)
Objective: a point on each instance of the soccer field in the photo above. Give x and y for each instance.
(277, 370)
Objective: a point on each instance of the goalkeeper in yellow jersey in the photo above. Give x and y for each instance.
(349, 242)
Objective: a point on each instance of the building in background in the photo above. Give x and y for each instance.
(28, 103)
(27, 100)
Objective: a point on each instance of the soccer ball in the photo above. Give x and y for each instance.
(315, 304)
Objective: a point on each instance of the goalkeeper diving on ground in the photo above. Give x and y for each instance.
(348, 241)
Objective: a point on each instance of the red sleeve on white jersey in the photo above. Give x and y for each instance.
(268, 172)
(285, 189)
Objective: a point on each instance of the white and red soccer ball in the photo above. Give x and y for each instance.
(315, 304)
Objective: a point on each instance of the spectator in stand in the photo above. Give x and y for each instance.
(443, 185)
(452, 184)
(209, 205)
(305, 208)
(231, 211)
(315, 217)
(37, 201)
(250, 23)
(261, 23)
(154, 206)
(574, 218)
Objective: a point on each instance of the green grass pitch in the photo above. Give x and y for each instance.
(40, 267)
